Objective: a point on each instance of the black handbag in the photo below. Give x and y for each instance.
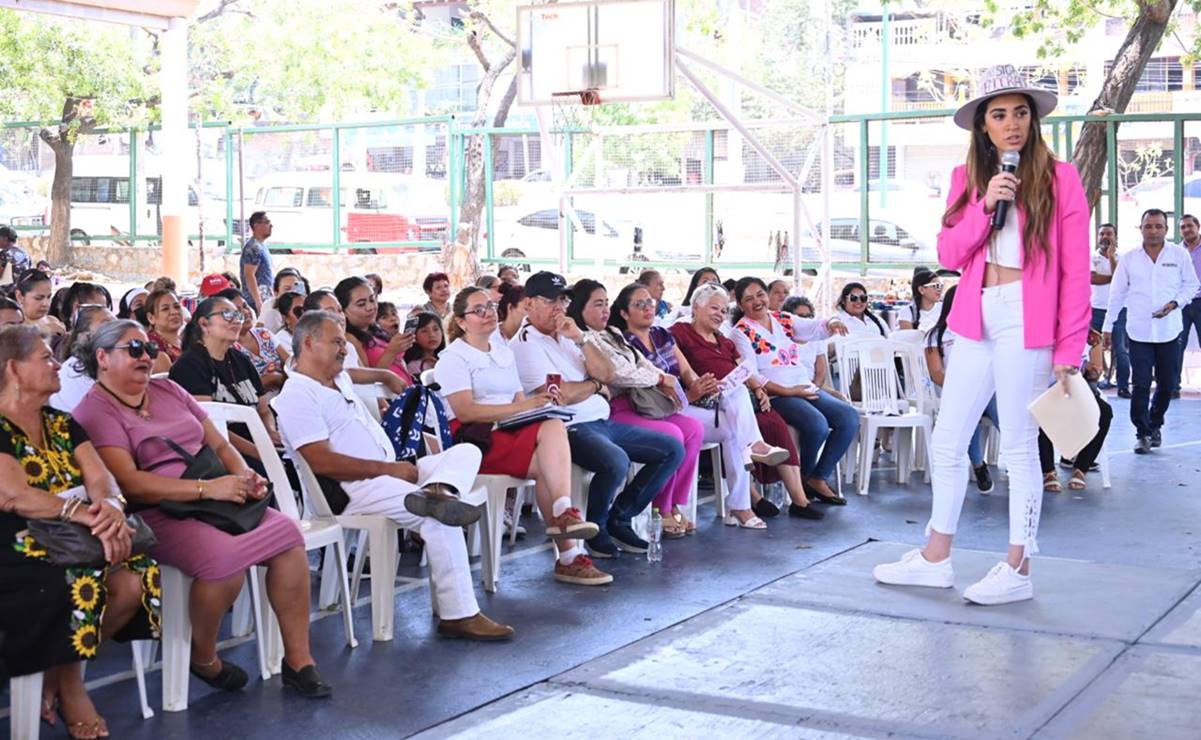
(228, 516)
(72, 545)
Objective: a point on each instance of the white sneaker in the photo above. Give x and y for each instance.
(914, 570)
(1002, 585)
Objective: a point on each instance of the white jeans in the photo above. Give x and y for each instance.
(734, 427)
(445, 546)
(1000, 364)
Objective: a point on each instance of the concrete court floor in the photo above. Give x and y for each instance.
(783, 634)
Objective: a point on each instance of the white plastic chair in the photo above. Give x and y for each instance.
(372, 394)
(882, 404)
(25, 717)
(320, 533)
(908, 336)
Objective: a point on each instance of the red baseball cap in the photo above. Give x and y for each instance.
(213, 284)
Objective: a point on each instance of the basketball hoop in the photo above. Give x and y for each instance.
(571, 108)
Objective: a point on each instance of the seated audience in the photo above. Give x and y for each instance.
(939, 341)
(256, 343)
(777, 293)
(388, 318)
(437, 288)
(652, 280)
(481, 386)
(855, 313)
(133, 299)
(727, 418)
(165, 316)
(508, 274)
(83, 294)
(291, 307)
(325, 422)
(1085, 459)
(631, 371)
(54, 617)
(377, 283)
(429, 343)
(927, 300)
(492, 284)
(812, 354)
(128, 416)
(510, 312)
(357, 299)
(287, 280)
(709, 351)
(324, 299)
(14, 261)
(33, 292)
(74, 380)
(10, 313)
(826, 426)
(683, 312)
(549, 344)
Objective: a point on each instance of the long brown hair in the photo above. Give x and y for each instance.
(458, 310)
(1036, 171)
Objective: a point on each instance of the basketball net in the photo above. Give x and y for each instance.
(573, 110)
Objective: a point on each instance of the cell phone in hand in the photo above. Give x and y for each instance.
(410, 326)
(554, 382)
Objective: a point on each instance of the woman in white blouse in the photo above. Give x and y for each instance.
(478, 379)
(771, 341)
(854, 312)
(927, 300)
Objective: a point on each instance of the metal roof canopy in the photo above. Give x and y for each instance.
(127, 12)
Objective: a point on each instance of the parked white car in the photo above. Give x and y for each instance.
(534, 234)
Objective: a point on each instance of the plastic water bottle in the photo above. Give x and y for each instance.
(654, 538)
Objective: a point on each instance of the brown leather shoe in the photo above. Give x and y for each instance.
(479, 627)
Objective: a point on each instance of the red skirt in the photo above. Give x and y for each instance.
(511, 452)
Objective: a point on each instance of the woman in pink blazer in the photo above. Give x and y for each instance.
(1021, 315)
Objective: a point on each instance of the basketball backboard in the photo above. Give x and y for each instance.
(624, 49)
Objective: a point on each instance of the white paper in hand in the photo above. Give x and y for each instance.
(736, 377)
(1069, 422)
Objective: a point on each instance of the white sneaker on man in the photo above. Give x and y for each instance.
(1002, 585)
(914, 570)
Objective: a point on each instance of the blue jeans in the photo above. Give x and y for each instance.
(975, 448)
(1191, 313)
(1162, 357)
(1121, 351)
(606, 449)
(823, 420)
(1098, 319)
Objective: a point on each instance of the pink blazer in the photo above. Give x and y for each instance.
(1055, 295)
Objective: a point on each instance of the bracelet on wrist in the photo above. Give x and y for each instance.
(199, 489)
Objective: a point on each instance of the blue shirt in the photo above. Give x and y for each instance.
(255, 253)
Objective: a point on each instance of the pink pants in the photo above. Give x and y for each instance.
(691, 434)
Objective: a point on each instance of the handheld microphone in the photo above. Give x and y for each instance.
(1009, 163)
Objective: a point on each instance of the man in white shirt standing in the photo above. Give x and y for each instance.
(1152, 283)
(324, 421)
(1190, 313)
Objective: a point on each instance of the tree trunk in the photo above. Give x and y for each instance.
(76, 120)
(1090, 155)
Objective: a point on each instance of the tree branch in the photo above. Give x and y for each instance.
(479, 15)
(473, 42)
(220, 10)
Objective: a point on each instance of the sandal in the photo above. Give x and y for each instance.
(753, 523)
(1077, 482)
(681, 520)
(671, 530)
(1051, 483)
(87, 730)
(50, 709)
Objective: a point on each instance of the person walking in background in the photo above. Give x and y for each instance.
(1190, 313)
(258, 279)
(1021, 313)
(1153, 283)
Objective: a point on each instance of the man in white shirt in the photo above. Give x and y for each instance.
(1105, 262)
(323, 420)
(1152, 283)
(1190, 314)
(550, 343)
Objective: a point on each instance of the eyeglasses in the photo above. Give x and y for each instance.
(561, 300)
(231, 315)
(643, 304)
(137, 347)
(857, 298)
(482, 310)
(935, 286)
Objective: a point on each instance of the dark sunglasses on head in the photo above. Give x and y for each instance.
(857, 298)
(136, 347)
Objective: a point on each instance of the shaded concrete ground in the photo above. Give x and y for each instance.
(783, 633)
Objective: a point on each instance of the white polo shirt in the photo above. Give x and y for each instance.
(1144, 287)
(310, 412)
(538, 355)
(490, 376)
(1101, 266)
(75, 384)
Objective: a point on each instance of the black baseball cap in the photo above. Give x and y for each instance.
(547, 285)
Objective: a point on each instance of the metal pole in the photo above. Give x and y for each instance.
(885, 98)
(173, 77)
(336, 197)
(864, 205)
(1178, 173)
(227, 135)
(1111, 153)
(488, 215)
(133, 185)
(241, 187)
(708, 180)
(764, 91)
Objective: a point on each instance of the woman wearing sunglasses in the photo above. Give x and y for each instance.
(213, 369)
(479, 381)
(855, 314)
(127, 415)
(927, 300)
(291, 308)
(1021, 317)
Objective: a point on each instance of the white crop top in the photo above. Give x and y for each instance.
(1005, 246)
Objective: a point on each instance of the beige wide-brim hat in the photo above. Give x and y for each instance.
(1004, 80)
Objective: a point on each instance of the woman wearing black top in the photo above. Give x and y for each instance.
(212, 370)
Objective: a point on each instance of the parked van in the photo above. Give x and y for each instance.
(100, 201)
(375, 207)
